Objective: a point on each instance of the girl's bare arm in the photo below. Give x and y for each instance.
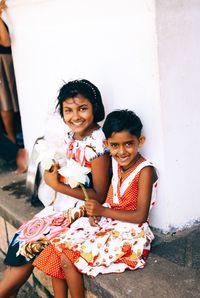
(100, 179)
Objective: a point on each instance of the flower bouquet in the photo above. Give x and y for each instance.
(71, 172)
(75, 175)
(47, 154)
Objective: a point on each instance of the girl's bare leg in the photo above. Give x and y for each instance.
(8, 122)
(73, 277)
(60, 288)
(14, 278)
(22, 160)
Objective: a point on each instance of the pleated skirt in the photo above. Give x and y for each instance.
(8, 91)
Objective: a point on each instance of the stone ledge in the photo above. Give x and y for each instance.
(162, 277)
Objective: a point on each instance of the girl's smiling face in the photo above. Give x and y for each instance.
(78, 115)
(124, 148)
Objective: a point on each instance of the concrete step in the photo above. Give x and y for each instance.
(172, 269)
(26, 290)
(160, 278)
(182, 247)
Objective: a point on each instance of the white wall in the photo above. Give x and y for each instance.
(178, 24)
(114, 44)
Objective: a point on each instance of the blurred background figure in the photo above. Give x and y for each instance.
(9, 109)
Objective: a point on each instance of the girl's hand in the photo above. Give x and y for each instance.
(94, 221)
(93, 208)
(51, 177)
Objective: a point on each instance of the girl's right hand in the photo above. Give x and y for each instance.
(93, 208)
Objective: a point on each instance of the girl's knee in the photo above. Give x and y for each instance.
(65, 262)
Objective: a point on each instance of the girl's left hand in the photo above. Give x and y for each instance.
(93, 208)
(51, 177)
(94, 221)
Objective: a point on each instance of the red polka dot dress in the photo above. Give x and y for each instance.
(114, 245)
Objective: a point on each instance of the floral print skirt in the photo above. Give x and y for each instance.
(33, 236)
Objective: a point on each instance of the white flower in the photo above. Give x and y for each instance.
(47, 153)
(74, 173)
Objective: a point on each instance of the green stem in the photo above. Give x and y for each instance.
(87, 198)
(84, 191)
(54, 199)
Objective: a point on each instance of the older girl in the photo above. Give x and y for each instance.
(81, 107)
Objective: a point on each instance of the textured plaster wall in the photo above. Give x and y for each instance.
(178, 25)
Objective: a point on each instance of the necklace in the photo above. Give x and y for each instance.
(89, 133)
(136, 159)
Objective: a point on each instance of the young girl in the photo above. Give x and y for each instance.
(121, 238)
(81, 107)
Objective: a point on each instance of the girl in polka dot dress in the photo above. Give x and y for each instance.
(116, 235)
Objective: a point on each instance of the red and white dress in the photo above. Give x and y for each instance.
(34, 235)
(111, 247)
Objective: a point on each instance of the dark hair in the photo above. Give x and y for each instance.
(120, 120)
(87, 90)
